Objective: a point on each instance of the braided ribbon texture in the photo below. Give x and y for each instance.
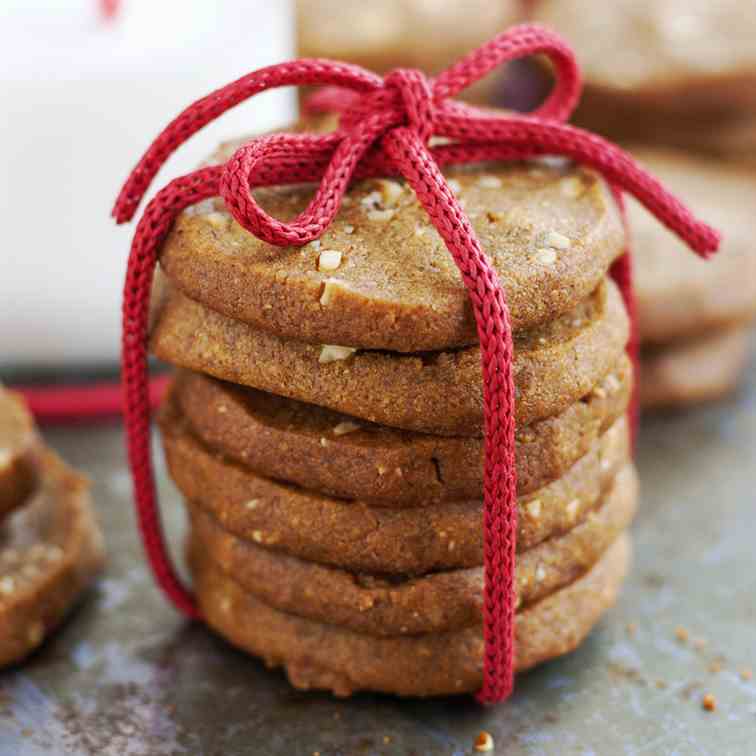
(385, 129)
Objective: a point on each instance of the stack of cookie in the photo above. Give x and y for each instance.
(326, 430)
(695, 316)
(677, 81)
(50, 544)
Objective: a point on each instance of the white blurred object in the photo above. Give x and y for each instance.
(82, 99)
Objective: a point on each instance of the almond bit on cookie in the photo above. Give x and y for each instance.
(484, 743)
(380, 215)
(489, 182)
(344, 427)
(5, 458)
(612, 382)
(330, 287)
(334, 353)
(315, 244)
(329, 259)
(257, 536)
(540, 573)
(252, 504)
(572, 186)
(555, 240)
(348, 229)
(546, 256)
(534, 508)
(454, 185)
(572, 508)
(600, 392)
(7, 586)
(218, 220)
(390, 192)
(225, 604)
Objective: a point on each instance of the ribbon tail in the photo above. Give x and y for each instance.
(413, 160)
(152, 229)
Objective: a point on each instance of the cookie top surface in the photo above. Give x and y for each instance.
(655, 45)
(678, 293)
(381, 277)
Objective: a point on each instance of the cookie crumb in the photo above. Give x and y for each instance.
(540, 573)
(661, 684)
(334, 353)
(681, 634)
(329, 259)
(7, 585)
(252, 504)
(257, 536)
(315, 244)
(484, 743)
(709, 702)
(746, 673)
(348, 229)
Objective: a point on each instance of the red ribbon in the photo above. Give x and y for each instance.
(385, 130)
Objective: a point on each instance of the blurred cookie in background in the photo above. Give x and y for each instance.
(387, 34)
(674, 72)
(694, 315)
(51, 546)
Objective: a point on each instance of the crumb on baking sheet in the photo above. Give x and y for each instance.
(709, 702)
(484, 743)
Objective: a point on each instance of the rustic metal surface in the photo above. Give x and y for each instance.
(127, 676)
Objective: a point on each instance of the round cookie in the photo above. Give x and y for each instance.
(438, 392)
(325, 451)
(437, 602)
(320, 656)
(50, 552)
(672, 56)
(18, 449)
(704, 369)
(551, 231)
(678, 294)
(399, 33)
(358, 536)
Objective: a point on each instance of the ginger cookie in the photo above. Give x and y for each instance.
(325, 451)
(439, 392)
(678, 294)
(437, 602)
(398, 33)
(364, 537)
(18, 448)
(50, 551)
(381, 277)
(670, 56)
(321, 656)
(703, 369)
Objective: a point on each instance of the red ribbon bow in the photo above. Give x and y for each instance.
(384, 130)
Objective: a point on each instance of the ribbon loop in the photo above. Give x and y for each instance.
(416, 98)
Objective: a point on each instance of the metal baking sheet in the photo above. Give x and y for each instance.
(127, 676)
